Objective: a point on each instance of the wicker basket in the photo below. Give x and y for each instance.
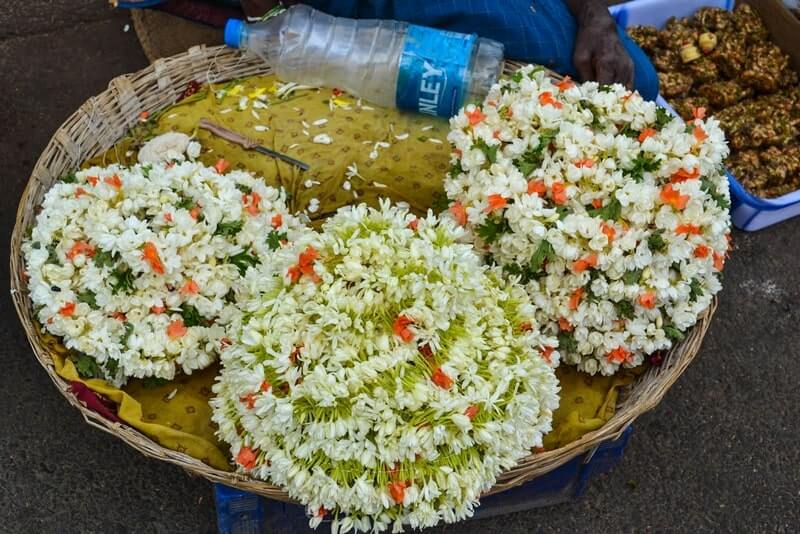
(104, 119)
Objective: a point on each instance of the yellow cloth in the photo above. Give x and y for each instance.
(411, 169)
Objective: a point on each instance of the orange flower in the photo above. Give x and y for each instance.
(547, 353)
(585, 162)
(575, 299)
(92, 180)
(337, 92)
(413, 224)
(225, 342)
(113, 181)
(150, 255)
(564, 324)
(565, 84)
(249, 399)
(80, 247)
(398, 491)
(459, 212)
(546, 99)
(699, 112)
(648, 299)
(537, 187)
(587, 262)
(143, 116)
(647, 132)
(251, 201)
(475, 117)
(673, 197)
(277, 221)
(119, 316)
(682, 175)
(176, 329)
(701, 251)
(168, 217)
(265, 386)
(221, 166)
(322, 512)
(719, 261)
(526, 326)
(246, 458)
(609, 231)
(618, 355)
(699, 133)
(158, 309)
(597, 203)
(67, 309)
(190, 288)
(441, 379)
(472, 411)
(401, 329)
(496, 202)
(305, 265)
(79, 192)
(496, 134)
(688, 229)
(559, 193)
(194, 213)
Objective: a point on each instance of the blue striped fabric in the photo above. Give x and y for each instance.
(539, 31)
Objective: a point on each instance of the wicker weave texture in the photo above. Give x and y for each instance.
(104, 119)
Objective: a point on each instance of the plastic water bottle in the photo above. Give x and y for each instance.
(387, 62)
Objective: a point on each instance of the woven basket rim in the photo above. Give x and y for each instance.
(103, 119)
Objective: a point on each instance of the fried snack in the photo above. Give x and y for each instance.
(702, 70)
(765, 67)
(730, 54)
(749, 24)
(674, 83)
(677, 33)
(724, 94)
(666, 60)
(647, 37)
(713, 19)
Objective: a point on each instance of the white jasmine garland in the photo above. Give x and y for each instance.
(136, 268)
(613, 214)
(382, 374)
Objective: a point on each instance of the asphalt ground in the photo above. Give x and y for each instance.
(720, 453)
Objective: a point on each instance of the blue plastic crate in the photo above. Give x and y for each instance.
(748, 212)
(239, 512)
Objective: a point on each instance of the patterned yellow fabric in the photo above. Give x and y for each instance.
(410, 169)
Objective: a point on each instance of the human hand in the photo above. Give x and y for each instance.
(599, 54)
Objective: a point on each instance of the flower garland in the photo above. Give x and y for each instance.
(137, 268)
(382, 374)
(613, 214)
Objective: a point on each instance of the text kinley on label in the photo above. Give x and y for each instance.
(431, 86)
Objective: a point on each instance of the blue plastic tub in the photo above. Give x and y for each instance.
(748, 212)
(239, 512)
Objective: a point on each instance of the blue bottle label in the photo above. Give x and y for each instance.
(433, 71)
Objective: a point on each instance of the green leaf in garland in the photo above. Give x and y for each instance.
(544, 252)
(111, 367)
(632, 277)
(244, 189)
(86, 366)
(229, 229)
(642, 164)
(122, 280)
(491, 230)
(663, 117)
(191, 317)
(673, 333)
(88, 297)
(516, 77)
(625, 309)
(69, 178)
(710, 189)
(440, 201)
(243, 261)
(103, 258)
(566, 342)
(127, 335)
(489, 151)
(52, 255)
(610, 212)
(695, 290)
(274, 239)
(656, 241)
(455, 169)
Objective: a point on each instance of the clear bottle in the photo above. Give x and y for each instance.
(390, 63)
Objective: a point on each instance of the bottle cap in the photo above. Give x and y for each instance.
(233, 32)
